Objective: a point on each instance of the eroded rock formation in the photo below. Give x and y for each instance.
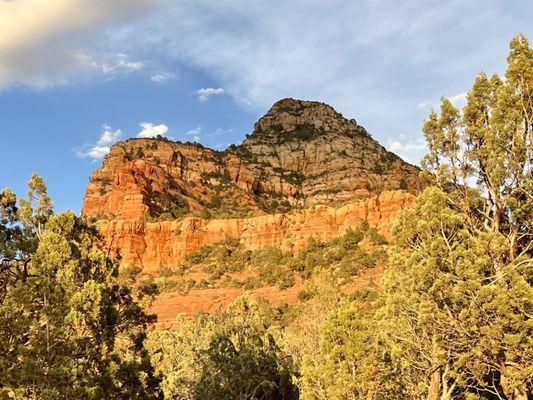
(304, 171)
(154, 245)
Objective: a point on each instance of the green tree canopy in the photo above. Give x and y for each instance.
(458, 300)
(68, 329)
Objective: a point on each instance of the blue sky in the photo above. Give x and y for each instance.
(76, 75)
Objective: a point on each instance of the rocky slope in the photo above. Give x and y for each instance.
(300, 153)
(305, 171)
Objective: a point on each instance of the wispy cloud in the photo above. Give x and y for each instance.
(458, 100)
(205, 93)
(195, 133)
(365, 58)
(410, 149)
(114, 64)
(150, 130)
(101, 148)
(162, 77)
(426, 104)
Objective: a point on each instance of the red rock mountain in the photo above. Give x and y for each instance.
(305, 171)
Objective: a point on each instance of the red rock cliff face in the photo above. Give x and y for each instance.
(304, 171)
(154, 245)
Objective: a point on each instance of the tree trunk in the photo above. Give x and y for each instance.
(435, 388)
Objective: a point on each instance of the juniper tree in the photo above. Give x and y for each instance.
(458, 299)
(68, 328)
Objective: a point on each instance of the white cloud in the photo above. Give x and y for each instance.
(103, 145)
(114, 64)
(150, 130)
(195, 132)
(109, 136)
(45, 42)
(410, 149)
(218, 132)
(162, 77)
(366, 58)
(426, 104)
(222, 131)
(205, 93)
(96, 152)
(458, 100)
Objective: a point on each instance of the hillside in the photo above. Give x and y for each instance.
(300, 153)
(305, 172)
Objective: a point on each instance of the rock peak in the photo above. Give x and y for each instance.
(296, 106)
(306, 118)
(300, 153)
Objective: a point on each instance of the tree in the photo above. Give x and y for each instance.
(244, 361)
(340, 369)
(490, 145)
(452, 323)
(458, 299)
(177, 354)
(234, 354)
(19, 230)
(68, 328)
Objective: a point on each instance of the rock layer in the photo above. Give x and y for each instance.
(301, 153)
(153, 245)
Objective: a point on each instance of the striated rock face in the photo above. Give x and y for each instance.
(300, 153)
(304, 171)
(153, 245)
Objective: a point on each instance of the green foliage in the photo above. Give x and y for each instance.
(489, 144)
(341, 259)
(450, 307)
(341, 368)
(231, 355)
(68, 328)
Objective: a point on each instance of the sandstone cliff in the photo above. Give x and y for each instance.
(304, 171)
(155, 245)
(300, 153)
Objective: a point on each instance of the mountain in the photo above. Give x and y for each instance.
(300, 153)
(304, 172)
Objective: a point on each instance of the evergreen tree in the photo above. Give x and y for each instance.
(454, 325)
(230, 355)
(458, 299)
(482, 158)
(68, 328)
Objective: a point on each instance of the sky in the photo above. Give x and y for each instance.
(78, 75)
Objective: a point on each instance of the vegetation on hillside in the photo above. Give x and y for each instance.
(341, 259)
